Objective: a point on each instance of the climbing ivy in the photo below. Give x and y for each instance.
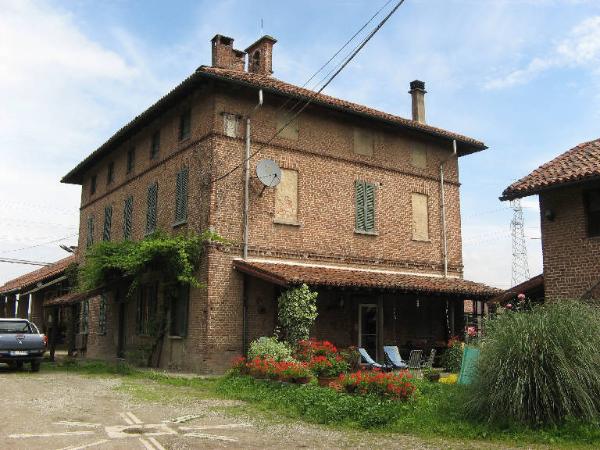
(297, 313)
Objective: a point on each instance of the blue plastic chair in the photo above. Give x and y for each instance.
(393, 358)
(370, 361)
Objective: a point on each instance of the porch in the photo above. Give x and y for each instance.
(369, 308)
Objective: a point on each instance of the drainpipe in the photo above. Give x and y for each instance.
(247, 173)
(444, 230)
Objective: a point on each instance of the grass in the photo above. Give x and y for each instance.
(436, 412)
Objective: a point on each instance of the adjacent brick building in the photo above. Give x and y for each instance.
(569, 194)
(357, 214)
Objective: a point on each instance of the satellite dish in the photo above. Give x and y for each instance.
(268, 172)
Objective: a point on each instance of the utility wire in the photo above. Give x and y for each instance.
(40, 244)
(315, 94)
(25, 261)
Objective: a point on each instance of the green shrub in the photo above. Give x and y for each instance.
(269, 347)
(297, 312)
(540, 366)
(451, 359)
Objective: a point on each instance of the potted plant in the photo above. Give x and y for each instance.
(431, 374)
(327, 368)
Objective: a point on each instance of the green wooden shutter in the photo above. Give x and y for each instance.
(90, 232)
(107, 223)
(151, 213)
(369, 207)
(127, 217)
(359, 188)
(181, 193)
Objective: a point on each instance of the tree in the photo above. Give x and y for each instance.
(297, 313)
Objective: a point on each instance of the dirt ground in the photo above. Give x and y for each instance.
(57, 410)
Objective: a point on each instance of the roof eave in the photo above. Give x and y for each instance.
(512, 195)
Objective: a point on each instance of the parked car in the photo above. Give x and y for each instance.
(21, 342)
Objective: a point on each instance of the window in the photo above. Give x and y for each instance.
(418, 156)
(93, 185)
(592, 210)
(365, 206)
(363, 142)
(286, 198)
(85, 316)
(155, 145)
(127, 217)
(102, 315)
(290, 123)
(152, 208)
(230, 125)
(181, 194)
(90, 232)
(185, 125)
(110, 173)
(107, 223)
(146, 308)
(130, 159)
(179, 312)
(420, 217)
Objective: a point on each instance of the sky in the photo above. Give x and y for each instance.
(521, 75)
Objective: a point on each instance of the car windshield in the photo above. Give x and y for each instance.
(14, 326)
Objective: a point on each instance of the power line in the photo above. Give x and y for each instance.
(40, 244)
(25, 261)
(315, 94)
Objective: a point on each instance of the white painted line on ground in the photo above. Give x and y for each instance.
(81, 447)
(126, 418)
(212, 437)
(183, 419)
(156, 444)
(65, 433)
(134, 418)
(147, 444)
(214, 427)
(77, 424)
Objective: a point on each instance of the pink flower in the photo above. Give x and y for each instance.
(521, 296)
(509, 306)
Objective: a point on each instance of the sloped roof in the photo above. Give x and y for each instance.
(38, 276)
(67, 299)
(581, 163)
(290, 273)
(268, 83)
(526, 287)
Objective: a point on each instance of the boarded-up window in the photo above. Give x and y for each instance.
(365, 206)
(230, 125)
(363, 142)
(107, 223)
(181, 194)
(90, 232)
(418, 156)
(289, 124)
(420, 217)
(127, 217)
(286, 197)
(151, 212)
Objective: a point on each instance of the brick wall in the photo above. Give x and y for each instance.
(571, 259)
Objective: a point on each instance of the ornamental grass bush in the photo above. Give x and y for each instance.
(540, 366)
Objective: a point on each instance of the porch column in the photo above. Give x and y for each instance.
(29, 307)
(17, 297)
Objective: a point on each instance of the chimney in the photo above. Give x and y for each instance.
(260, 56)
(417, 91)
(225, 56)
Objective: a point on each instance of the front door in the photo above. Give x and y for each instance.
(367, 328)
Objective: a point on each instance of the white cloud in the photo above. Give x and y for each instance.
(581, 48)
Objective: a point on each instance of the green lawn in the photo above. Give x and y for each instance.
(435, 412)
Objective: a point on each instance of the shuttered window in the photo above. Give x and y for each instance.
(287, 126)
(102, 315)
(181, 194)
(365, 206)
(90, 232)
(110, 172)
(146, 309)
(127, 217)
(155, 145)
(107, 223)
(152, 208)
(179, 312)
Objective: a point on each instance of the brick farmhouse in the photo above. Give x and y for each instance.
(367, 213)
(569, 194)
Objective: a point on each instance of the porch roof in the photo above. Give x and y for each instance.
(67, 299)
(286, 273)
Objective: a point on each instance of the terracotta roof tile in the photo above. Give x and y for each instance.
(581, 163)
(39, 275)
(287, 273)
(466, 144)
(67, 299)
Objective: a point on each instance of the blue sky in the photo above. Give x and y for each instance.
(521, 75)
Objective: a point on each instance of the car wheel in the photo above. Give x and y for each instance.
(35, 366)
(19, 365)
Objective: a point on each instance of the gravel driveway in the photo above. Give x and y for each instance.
(57, 410)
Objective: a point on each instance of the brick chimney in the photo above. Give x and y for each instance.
(260, 56)
(225, 56)
(417, 91)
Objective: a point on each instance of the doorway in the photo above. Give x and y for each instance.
(368, 328)
(122, 311)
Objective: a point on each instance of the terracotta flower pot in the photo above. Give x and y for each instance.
(325, 381)
(302, 380)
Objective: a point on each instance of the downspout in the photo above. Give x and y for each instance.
(444, 230)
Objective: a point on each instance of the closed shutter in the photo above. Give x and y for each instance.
(152, 208)
(359, 187)
(127, 217)
(90, 232)
(102, 315)
(107, 223)
(369, 207)
(365, 206)
(181, 193)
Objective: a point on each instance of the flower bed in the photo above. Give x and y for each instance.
(390, 385)
(288, 371)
